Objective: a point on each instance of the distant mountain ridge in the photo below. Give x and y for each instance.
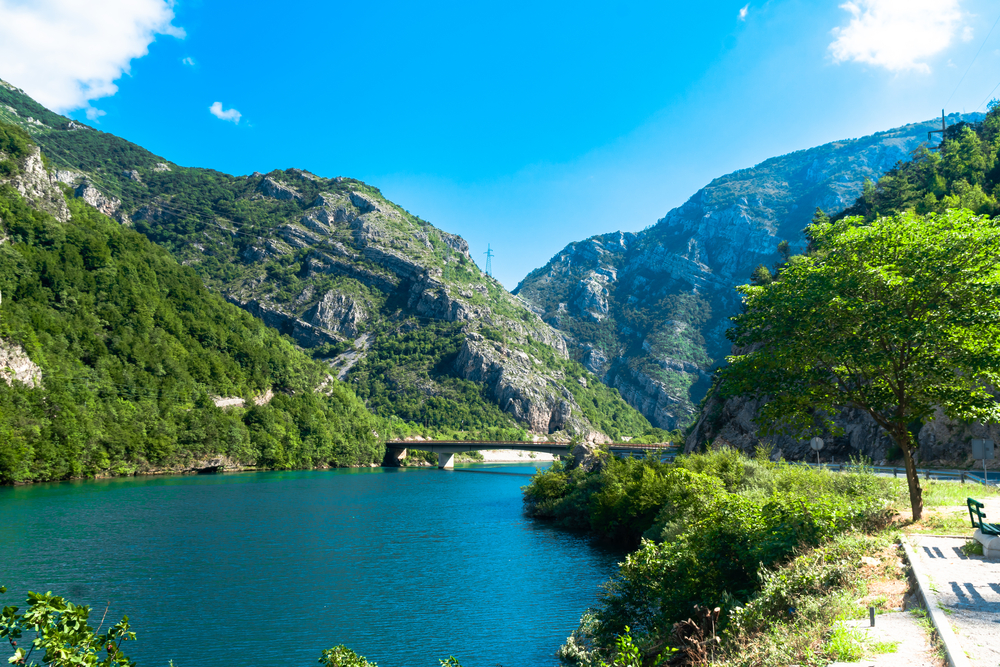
(394, 304)
(646, 312)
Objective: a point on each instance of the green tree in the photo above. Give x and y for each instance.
(784, 250)
(820, 217)
(895, 317)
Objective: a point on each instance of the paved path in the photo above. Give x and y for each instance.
(914, 649)
(968, 589)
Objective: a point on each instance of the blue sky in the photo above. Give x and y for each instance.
(525, 125)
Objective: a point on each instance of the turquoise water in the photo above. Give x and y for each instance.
(405, 566)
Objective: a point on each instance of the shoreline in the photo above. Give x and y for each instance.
(498, 456)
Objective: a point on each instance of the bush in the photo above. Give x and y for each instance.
(341, 656)
(714, 524)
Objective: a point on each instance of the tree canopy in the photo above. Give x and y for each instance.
(896, 317)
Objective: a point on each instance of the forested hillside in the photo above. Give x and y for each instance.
(113, 356)
(393, 305)
(963, 172)
(647, 312)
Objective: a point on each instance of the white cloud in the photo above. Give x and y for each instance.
(65, 53)
(743, 12)
(967, 33)
(188, 61)
(896, 34)
(228, 114)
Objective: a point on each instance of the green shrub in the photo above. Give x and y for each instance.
(715, 524)
(341, 656)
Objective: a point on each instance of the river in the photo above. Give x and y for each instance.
(404, 566)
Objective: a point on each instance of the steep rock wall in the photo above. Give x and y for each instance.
(647, 312)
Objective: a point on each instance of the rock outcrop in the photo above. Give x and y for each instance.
(647, 312)
(340, 313)
(522, 389)
(39, 187)
(15, 366)
(732, 422)
(274, 316)
(271, 188)
(109, 206)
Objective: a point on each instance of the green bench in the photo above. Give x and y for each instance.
(976, 515)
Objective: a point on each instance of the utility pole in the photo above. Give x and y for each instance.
(489, 260)
(941, 132)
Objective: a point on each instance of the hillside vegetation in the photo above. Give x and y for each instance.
(964, 172)
(132, 348)
(714, 530)
(395, 306)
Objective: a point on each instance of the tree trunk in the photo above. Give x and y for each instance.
(902, 437)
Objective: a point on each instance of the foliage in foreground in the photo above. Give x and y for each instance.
(712, 524)
(63, 636)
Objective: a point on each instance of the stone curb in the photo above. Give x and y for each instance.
(952, 649)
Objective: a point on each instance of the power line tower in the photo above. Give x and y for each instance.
(941, 132)
(489, 260)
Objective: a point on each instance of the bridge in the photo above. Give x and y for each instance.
(395, 450)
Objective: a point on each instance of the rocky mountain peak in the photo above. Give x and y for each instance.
(647, 312)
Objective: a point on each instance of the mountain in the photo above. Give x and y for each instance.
(963, 172)
(647, 312)
(395, 306)
(115, 359)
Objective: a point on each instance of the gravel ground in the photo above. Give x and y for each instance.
(968, 589)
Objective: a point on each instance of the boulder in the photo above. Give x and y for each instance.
(588, 456)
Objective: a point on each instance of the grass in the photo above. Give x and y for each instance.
(843, 579)
(849, 643)
(937, 493)
(972, 548)
(945, 510)
(874, 576)
(924, 620)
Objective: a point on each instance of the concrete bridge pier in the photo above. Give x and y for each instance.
(393, 456)
(446, 460)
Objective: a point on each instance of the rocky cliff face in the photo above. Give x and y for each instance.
(39, 186)
(521, 385)
(647, 312)
(730, 423)
(334, 265)
(15, 366)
